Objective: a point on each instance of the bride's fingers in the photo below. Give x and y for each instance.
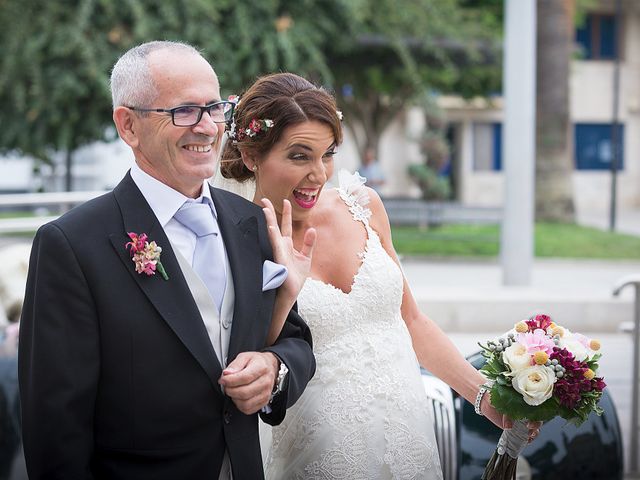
(269, 213)
(285, 224)
(272, 223)
(308, 242)
(268, 205)
(507, 422)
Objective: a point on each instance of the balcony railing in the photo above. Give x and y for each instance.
(58, 201)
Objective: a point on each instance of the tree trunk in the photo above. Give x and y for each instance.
(367, 117)
(554, 144)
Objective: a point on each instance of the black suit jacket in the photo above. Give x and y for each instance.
(118, 378)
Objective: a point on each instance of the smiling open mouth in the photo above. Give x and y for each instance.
(305, 198)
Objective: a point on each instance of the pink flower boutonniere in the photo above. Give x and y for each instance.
(146, 255)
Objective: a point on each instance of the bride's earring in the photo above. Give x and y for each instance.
(254, 168)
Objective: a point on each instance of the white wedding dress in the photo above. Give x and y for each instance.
(365, 414)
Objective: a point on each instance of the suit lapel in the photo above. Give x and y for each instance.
(240, 235)
(171, 298)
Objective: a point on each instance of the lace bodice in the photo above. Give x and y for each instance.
(363, 414)
(376, 287)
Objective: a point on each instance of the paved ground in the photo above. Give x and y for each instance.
(465, 296)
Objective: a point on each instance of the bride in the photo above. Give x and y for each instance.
(364, 415)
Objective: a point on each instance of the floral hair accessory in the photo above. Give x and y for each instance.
(145, 255)
(256, 126)
(339, 113)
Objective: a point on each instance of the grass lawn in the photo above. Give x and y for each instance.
(551, 240)
(17, 214)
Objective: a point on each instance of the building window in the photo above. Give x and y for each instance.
(487, 146)
(598, 37)
(594, 147)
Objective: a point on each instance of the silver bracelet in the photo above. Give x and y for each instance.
(476, 406)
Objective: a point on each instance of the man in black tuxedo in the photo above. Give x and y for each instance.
(121, 368)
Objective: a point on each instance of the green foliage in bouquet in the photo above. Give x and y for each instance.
(542, 370)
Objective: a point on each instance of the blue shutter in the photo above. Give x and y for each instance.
(608, 37)
(583, 37)
(497, 146)
(593, 146)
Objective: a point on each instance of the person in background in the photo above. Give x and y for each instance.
(371, 171)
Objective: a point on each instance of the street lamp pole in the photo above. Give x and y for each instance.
(615, 130)
(516, 243)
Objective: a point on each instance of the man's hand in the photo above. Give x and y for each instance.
(249, 380)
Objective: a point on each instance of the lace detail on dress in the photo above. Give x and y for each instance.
(351, 458)
(364, 414)
(408, 456)
(352, 191)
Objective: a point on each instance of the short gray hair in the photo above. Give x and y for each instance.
(131, 81)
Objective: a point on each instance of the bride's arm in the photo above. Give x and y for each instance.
(298, 263)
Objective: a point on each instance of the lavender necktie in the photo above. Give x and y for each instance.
(208, 258)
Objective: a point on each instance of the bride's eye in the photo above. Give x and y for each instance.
(298, 156)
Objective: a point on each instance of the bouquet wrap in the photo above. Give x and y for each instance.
(512, 442)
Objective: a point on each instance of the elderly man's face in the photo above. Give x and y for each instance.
(181, 157)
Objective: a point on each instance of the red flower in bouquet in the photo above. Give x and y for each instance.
(538, 321)
(577, 379)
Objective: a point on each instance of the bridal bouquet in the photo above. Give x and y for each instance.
(537, 371)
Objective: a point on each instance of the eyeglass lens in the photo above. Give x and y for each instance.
(190, 114)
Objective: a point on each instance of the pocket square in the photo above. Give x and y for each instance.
(273, 275)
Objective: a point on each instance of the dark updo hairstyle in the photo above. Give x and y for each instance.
(286, 99)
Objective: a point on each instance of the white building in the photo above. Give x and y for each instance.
(476, 128)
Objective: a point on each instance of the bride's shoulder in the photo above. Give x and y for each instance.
(330, 202)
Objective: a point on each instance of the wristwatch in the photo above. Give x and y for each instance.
(280, 379)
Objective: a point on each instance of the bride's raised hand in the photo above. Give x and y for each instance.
(298, 262)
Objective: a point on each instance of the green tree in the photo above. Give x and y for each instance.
(378, 55)
(57, 56)
(399, 51)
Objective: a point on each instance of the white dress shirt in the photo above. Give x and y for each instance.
(165, 202)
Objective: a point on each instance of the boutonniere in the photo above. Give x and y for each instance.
(145, 254)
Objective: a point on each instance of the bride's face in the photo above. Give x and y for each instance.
(297, 168)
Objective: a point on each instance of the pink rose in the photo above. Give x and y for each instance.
(536, 341)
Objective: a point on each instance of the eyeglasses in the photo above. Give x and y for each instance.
(190, 115)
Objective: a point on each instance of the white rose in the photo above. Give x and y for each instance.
(534, 383)
(578, 350)
(516, 357)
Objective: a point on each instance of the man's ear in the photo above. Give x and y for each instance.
(124, 119)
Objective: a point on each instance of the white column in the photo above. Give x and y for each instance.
(519, 84)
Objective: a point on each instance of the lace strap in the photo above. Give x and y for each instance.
(352, 191)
